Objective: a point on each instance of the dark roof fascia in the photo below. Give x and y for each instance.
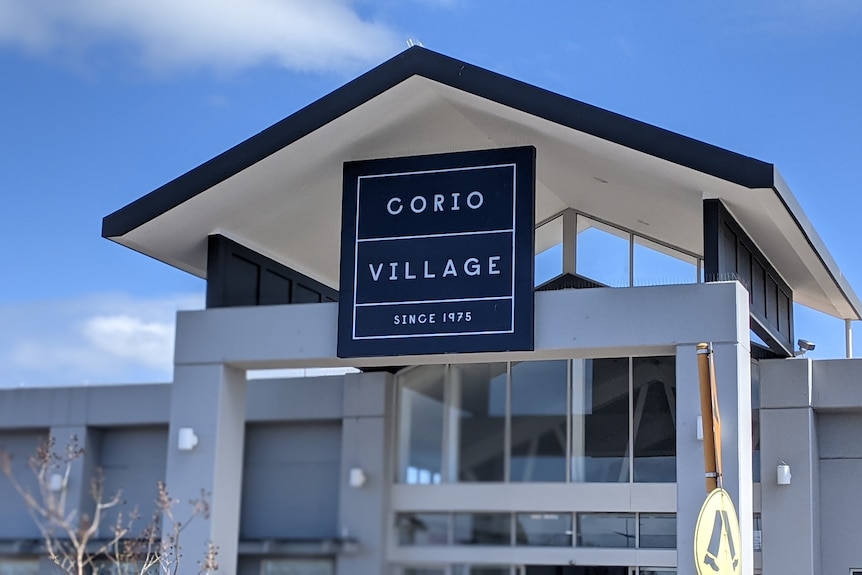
(634, 134)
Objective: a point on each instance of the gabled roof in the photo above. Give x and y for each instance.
(279, 192)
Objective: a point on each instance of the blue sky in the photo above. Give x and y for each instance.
(104, 101)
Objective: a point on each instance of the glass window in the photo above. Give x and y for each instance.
(422, 528)
(654, 419)
(657, 531)
(539, 390)
(655, 264)
(755, 421)
(296, 567)
(606, 530)
(656, 571)
(423, 571)
(602, 252)
(600, 420)
(758, 532)
(479, 430)
(421, 425)
(549, 250)
(482, 529)
(481, 570)
(544, 529)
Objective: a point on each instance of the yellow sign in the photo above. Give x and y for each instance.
(717, 542)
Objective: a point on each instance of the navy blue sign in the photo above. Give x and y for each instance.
(437, 254)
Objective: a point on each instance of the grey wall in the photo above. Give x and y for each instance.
(15, 521)
(290, 481)
(840, 437)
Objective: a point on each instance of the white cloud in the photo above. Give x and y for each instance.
(304, 35)
(101, 338)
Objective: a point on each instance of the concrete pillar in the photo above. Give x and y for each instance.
(210, 399)
(363, 511)
(790, 513)
(733, 375)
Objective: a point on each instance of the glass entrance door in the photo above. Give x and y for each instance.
(573, 570)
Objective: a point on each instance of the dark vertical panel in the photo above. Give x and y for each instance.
(743, 266)
(302, 294)
(771, 300)
(730, 254)
(242, 287)
(783, 312)
(238, 276)
(726, 254)
(758, 286)
(274, 288)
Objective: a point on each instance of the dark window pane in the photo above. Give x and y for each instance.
(422, 528)
(482, 529)
(657, 531)
(480, 389)
(600, 420)
(654, 418)
(544, 529)
(480, 570)
(539, 421)
(743, 266)
(606, 530)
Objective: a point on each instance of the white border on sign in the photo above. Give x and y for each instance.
(356, 242)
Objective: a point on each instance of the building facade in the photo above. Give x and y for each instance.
(578, 456)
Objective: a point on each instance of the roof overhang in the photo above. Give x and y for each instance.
(279, 192)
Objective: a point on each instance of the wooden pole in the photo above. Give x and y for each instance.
(705, 372)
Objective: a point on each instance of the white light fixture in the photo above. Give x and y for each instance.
(699, 428)
(357, 477)
(782, 473)
(187, 439)
(55, 482)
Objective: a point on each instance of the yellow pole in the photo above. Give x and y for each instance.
(704, 369)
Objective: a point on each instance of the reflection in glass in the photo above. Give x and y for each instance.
(657, 531)
(539, 421)
(482, 529)
(480, 570)
(606, 530)
(421, 425)
(600, 420)
(755, 421)
(655, 264)
(602, 253)
(478, 424)
(654, 419)
(549, 250)
(656, 571)
(544, 529)
(422, 528)
(423, 571)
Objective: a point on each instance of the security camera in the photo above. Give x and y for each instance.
(804, 346)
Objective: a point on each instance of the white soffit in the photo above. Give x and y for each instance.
(288, 205)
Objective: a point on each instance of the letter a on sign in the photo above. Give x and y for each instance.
(716, 537)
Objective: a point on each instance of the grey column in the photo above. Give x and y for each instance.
(733, 375)
(211, 400)
(363, 511)
(790, 513)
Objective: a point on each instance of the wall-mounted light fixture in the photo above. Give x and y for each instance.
(699, 430)
(187, 440)
(55, 482)
(782, 473)
(357, 477)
